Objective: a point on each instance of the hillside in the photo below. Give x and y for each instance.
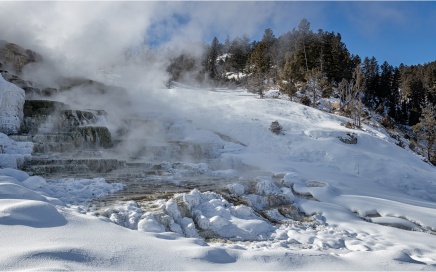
(302, 199)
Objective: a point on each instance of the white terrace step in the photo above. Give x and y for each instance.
(44, 166)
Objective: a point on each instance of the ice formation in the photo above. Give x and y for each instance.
(11, 107)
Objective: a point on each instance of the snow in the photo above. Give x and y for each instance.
(337, 206)
(75, 191)
(32, 213)
(235, 76)
(13, 154)
(11, 107)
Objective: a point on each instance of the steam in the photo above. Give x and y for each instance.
(109, 42)
(78, 38)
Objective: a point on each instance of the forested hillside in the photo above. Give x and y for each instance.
(318, 64)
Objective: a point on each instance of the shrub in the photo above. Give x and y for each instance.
(387, 122)
(305, 101)
(276, 128)
(326, 93)
(349, 125)
(288, 88)
(412, 146)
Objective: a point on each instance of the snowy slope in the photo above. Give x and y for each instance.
(354, 194)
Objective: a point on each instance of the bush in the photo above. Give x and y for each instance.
(433, 160)
(305, 101)
(349, 125)
(380, 109)
(326, 93)
(288, 88)
(412, 146)
(276, 128)
(387, 122)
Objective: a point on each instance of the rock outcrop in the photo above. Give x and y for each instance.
(11, 107)
(14, 57)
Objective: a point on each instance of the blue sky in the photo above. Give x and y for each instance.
(397, 32)
(392, 31)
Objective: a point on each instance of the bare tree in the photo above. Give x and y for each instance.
(313, 82)
(426, 131)
(350, 92)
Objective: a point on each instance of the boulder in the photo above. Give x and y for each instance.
(11, 107)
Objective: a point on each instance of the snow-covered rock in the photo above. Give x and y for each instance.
(11, 107)
(71, 190)
(149, 224)
(12, 153)
(14, 173)
(215, 216)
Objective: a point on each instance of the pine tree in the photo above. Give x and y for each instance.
(303, 30)
(370, 70)
(394, 99)
(239, 53)
(180, 66)
(256, 84)
(261, 61)
(334, 59)
(212, 58)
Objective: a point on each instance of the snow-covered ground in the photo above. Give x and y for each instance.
(336, 206)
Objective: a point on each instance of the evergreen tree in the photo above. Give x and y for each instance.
(285, 45)
(394, 99)
(370, 70)
(303, 30)
(260, 59)
(386, 78)
(239, 53)
(265, 53)
(293, 70)
(212, 59)
(412, 92)
(180, 66)
(261, 62)
(256, 84)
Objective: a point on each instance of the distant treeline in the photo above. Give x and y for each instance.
(295, 57)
